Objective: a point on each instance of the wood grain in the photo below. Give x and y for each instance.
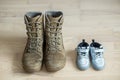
(83, 19)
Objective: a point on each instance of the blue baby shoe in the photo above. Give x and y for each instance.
(83, 61)
(96, 53)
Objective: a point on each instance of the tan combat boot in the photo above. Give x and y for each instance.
(54, 54)
(33, 54)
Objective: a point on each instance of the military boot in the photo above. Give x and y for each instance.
(33, 53)
(54, 53)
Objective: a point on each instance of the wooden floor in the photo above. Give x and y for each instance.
(83, 19)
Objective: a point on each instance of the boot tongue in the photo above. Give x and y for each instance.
(33, 17)
(54, 19)
(54, 16)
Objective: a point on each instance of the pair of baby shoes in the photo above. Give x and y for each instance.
(87, 53)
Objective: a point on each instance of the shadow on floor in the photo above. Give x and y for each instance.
(71, 55)
(13, 46)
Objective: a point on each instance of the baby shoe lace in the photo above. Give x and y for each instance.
(82, 52)
(98, 53)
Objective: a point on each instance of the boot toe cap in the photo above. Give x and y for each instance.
(32, 63)
(55, 65)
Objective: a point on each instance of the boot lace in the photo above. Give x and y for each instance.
(54, 41)
(34, 38)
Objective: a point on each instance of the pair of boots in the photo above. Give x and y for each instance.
(44, 36)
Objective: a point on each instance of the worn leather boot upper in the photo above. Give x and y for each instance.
(55, 55)
(33, 54)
